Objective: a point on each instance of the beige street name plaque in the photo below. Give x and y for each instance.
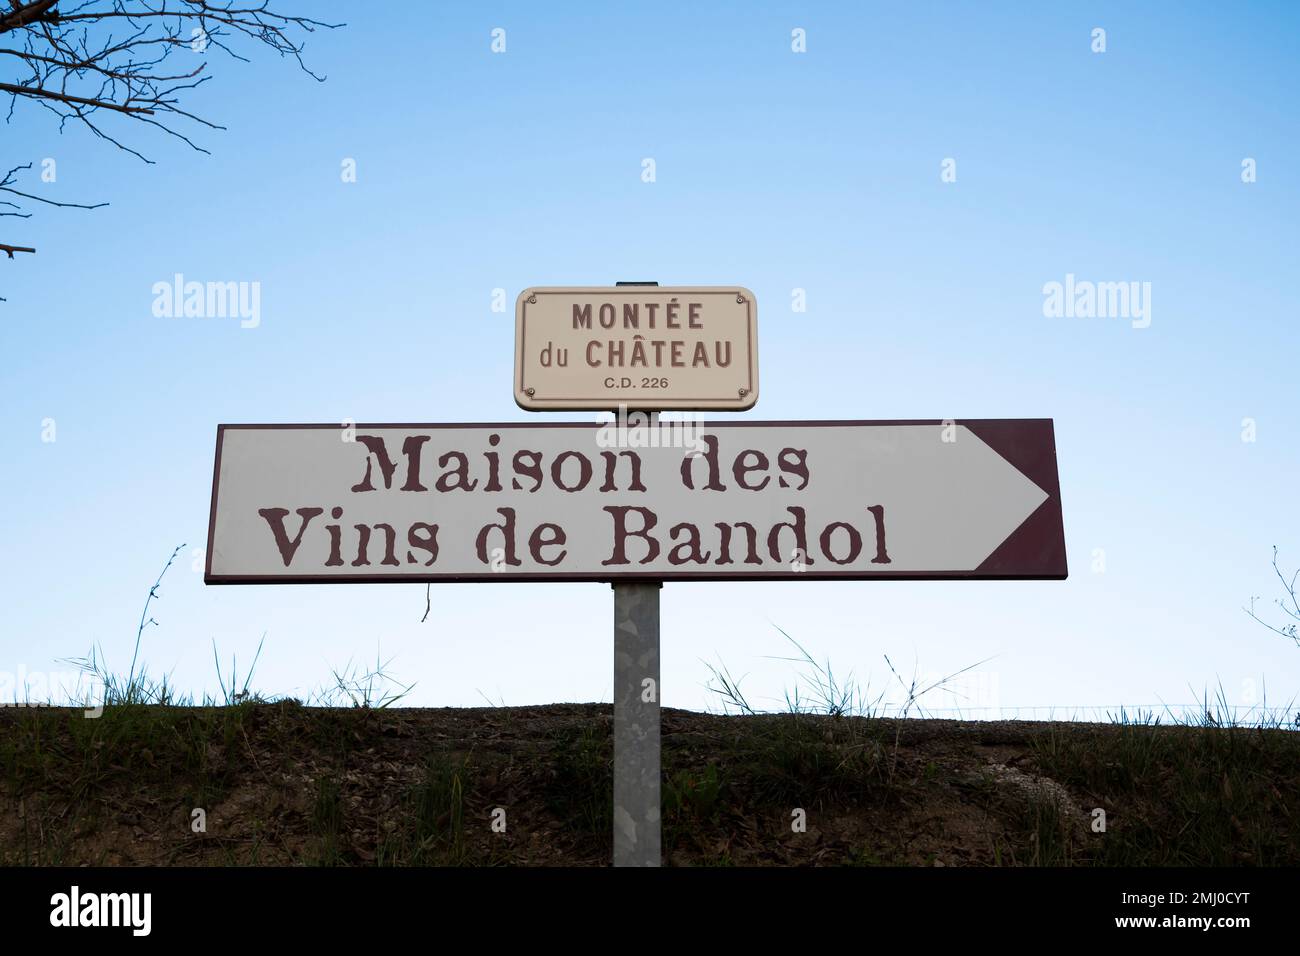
(648, 348)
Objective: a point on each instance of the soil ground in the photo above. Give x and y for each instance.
(280, 783)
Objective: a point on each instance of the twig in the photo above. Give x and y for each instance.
(144, 614)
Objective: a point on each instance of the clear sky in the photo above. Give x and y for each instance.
(776, 170)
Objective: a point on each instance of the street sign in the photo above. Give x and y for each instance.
(662, 501)
(642, 347)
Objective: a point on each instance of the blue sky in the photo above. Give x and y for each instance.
(775, 170)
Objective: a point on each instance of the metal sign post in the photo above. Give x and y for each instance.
(637, 755)
(636, 724)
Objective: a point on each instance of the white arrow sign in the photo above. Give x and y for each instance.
(571, 501)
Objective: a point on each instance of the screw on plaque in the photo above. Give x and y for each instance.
(744, 392)
(529, 391)
(532, 299)
(740, 298)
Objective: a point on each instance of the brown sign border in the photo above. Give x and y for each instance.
(649, 405)
(1028, 444)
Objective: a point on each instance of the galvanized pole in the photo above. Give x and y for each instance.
(636, 724)
(636, 717)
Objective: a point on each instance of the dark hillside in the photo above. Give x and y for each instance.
(281, 783)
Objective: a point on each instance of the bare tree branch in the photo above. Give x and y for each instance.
(6, 188)
(96, 62)
(36, 91)
(24, 14)
(1290, 631)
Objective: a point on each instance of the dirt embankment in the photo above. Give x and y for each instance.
(285, 784)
